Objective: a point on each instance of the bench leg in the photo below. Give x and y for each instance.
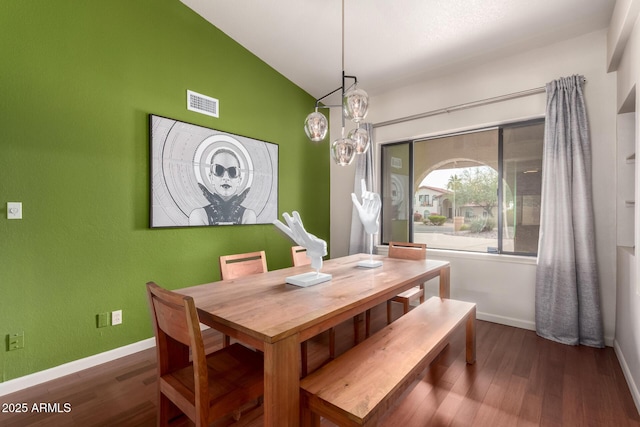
(471, 337)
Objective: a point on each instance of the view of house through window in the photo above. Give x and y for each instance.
(477, 191)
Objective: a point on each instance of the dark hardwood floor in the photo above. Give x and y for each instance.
(519, 379)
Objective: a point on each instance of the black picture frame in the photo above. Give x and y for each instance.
(206, 177)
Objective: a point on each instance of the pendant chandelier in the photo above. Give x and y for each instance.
(355, 104)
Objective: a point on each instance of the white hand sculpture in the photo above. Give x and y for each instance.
(369, 210)
(316, 247)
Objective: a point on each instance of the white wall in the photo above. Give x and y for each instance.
(505, 291)
(497, 299)
(627, 340)
(624, 57)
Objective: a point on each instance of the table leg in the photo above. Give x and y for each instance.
(445, 286)
(471, 337)
(282, 383)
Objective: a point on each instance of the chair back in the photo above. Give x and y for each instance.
(240, 265)
(299, 256)
(177, 329)
(407, 250)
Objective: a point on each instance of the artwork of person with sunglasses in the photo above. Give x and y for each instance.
(225, 205)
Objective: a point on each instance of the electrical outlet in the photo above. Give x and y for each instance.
(116, 317)
(102, 320)
(15, 341)
(14, 210)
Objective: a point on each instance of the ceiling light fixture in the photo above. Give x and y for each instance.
(355, 105)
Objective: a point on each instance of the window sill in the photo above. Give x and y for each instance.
(477, 256)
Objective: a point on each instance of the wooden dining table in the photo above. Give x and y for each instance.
(265, 312)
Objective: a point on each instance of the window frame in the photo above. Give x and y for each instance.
(410, 145)
(382, 169)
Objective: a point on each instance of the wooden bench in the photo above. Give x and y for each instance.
(358, 387)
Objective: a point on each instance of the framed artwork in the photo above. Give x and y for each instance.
(204, 177)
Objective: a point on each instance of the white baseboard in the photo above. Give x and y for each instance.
(522, 324)
(633, 387)
(509, 321)
(36, 378)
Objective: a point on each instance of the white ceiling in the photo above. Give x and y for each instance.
(391, 43)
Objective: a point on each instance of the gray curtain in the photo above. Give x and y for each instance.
(359, 241)
(567, 289)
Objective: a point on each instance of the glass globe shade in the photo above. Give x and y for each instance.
(316, 126)
(360, 138)
(355, 104)
(343, 151)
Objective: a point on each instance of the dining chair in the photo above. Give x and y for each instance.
(240, 265)
(406, 250)
(208, 387)
(299, 257)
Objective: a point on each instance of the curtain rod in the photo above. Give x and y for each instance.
(458, 107)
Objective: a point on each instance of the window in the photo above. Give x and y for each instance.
(484, 188)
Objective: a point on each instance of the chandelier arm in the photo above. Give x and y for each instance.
(351, 77)
(329, 106)
(330, 93)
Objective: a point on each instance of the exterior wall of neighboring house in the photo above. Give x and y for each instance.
(428, 200)
(445, 205)
(438, 201)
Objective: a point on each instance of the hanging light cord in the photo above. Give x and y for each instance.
(342, 114)
(343, 39)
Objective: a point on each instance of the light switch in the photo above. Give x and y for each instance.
(14, 210)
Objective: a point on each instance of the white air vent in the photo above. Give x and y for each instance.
(202, 104)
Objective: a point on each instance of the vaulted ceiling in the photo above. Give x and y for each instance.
(392, 43)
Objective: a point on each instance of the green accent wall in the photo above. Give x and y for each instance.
(78, 80)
